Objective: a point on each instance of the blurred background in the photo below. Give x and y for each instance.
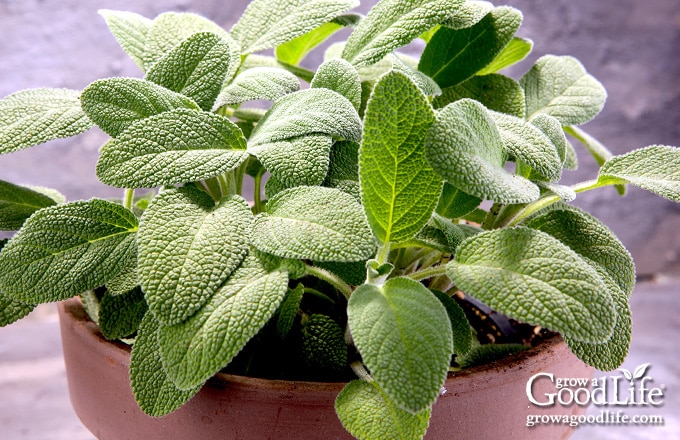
(631, 46)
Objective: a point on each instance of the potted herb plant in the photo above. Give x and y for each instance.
(394, 184)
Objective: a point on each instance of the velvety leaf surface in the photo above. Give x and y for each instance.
(454, 203)
(462, 332)
(321, 224)
(533, 277)
(12, 310)
(468, 14)
(17, 203)
(561, 87)
(288, 310)
(515, 51)
(188, 246)
(35, 116)
(115, 103)
(270, 83)
(339, 75)
(496, 92)
(295, 50)
(552, 128)
(120, 315)
(172, 147)
(193, 351)
(130, 31)
(399, 189)
(67, 249)
(367, 413)
(403, 334)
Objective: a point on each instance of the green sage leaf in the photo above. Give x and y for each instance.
(288, 310)
(196, 68)
(188, 247)
(464, 146)
(269, 23)
(295, 50)
(194, 350)
(462, 332)
(533, 277)
(35, 116)
(270, 83)
(115, 103)
(120, 315)
(496, 92)
(316, 223)
(368, 413)
(17, 203)
(561, 87)
(12, 310)
(172, 147)
(454, 55)
(394, 23)
(64, 250)
(130, 31)
(399, 188)
(338, 75)
(454, 203)
(154, 392)
(403, 334)
(655, 168)
(515, 51)
(468, 14)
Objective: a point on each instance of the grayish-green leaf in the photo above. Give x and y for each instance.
(426, 84)
(455, 203)
(399, 189)
(196, 68)
(115, 103)
(552, 128)
(533, 277)
(270, 83)
(339, 75)
(465, 148)
(170, 29)
(35, 116)
(296, 161)
(196, 349)
(452, 56)
(497, 92)
(306, 112)
(125, 281)
(172, 147)
(120, 315)
(353, 273)
(561, 87)
(17, 203)
(130, 31)
(321, 224)
(295, 50)
(288, 310)
(154, 392)
(469, 14)
(527, 143)
(462, 332)
(323, 344)
(487, 353)
(570, 159)
(188, 246)
(655, 168)
(589, 238)
(64, 250)
(394, 23)
(566, 193)
(12, 310)
(516, 50)
(367, 413)
(403, 334)
(269, 23)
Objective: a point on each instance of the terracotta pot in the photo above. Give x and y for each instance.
(488, 402)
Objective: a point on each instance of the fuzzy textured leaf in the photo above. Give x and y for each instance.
(452, 56)
(120, 315)
(561, 87)
(367, 413)
(35, 116)
(469, 14)
(462, 332)
(193, 351)
(154, 392)
(172, 147)
(115, 103)
(269, 23)
(394, 23)
(296, 161)
(288, 310)
(465, 148)
(552, 128)
(655, 168)
(403, 334)
(321, 224)
(454, 203)
(306, 112)
(188, 246)
(295, 50)
(533, 277)
(12, 310)
(130, 31)
(399, 189)
(496, 92)
(17, 203)
(339, 75)
(196, 68)
(64, 250)
(426, 84)
(515, 51)
(270, 83)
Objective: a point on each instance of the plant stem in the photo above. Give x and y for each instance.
(318, 294)
(257, 192)
(428, 273)
(331, 279)
(383, 253)
(128, 198)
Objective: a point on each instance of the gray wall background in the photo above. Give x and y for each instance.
(631, 46)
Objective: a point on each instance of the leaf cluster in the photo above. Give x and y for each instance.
(391, 184)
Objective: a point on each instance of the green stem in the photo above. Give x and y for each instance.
(383, 253)
(318, 294)
(331, 279)
(428, 273)
(490, 218)
(128, 198)
(257, 192)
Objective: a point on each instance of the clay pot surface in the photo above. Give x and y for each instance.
(488, 402)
